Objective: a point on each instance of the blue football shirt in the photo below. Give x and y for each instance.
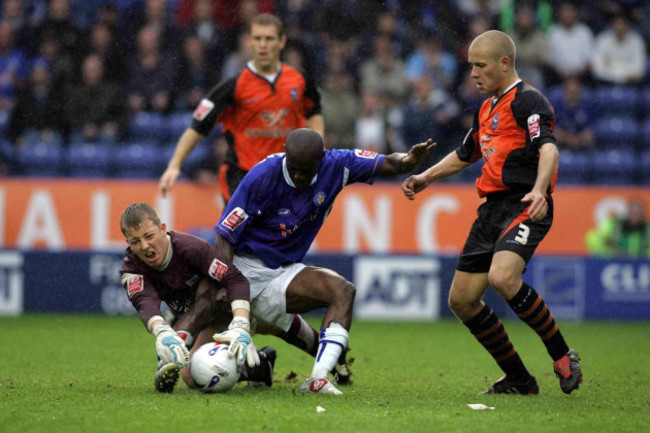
(271, 218)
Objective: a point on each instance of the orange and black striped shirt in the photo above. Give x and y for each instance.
(257, 114)
(507, 133)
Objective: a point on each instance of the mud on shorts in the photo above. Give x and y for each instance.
(502, 225)
(268, 289)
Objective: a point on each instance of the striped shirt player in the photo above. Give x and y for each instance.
(257, 109)
(513, 135)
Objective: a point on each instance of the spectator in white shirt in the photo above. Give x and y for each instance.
(570, 45)
(619, 55)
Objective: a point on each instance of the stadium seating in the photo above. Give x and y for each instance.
(616, 101)
(178, 123)
(148, 126)
(643, 174)
(137, 160)
(574, 167)
(88, 159)
(40, 158)
(614, 166)
(617, 132)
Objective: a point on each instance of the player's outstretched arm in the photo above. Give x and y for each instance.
(400, 163)
(448, 166)
(186, 144)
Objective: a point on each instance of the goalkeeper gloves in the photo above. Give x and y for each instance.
(170, 347)
(241, 345)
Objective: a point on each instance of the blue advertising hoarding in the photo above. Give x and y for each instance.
(389, 287)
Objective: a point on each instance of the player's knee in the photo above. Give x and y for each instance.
(457, 303)
(346, 292)
(503, 281)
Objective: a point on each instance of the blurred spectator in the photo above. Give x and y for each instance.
(470, 100)
(388, 26)
(205, 27)
(627, 235)
(12, 13)
(370, 127)
(487, 9)
(95, 108)
(340, 107)
(195, 74)
(430, 59)
(63, 65)
(13, 67)
(38, 112)
(619, 56)
(59, 25)
(541, 11)
(575, 117)
(532, 47)
(150, 75)
(295, 54)
(383, 74)
(429, 112)
(156, 17)
(101, 41)
(570, 45)
(477, 25)
(236, 60)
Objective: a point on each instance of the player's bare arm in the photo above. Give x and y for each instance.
(226, 247)
(400, 163)
(448, 166)
(548, 157)
(186, 144)
(317, 123)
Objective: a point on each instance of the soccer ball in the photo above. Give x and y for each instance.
(212, 369)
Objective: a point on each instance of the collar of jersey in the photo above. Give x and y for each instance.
(168, 256)
(269, 78)
(495, 100)
(287, 178)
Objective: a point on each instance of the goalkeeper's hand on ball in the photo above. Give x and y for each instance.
(170, 347)
(240, 343)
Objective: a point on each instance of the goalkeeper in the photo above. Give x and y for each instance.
(196, 281)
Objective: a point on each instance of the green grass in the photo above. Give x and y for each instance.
(95, 374)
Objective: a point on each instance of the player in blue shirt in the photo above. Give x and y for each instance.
(272, 220)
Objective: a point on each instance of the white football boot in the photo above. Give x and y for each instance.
(318, 385)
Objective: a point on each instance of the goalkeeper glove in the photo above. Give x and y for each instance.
(170, 347)
(240, 343)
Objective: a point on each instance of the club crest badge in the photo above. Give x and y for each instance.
(319, 198)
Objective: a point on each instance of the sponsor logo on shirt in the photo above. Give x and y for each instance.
(486, 149)
(284, 212)
(135, 285)
(534, 126)
(274, 118)
(204, 108)
(235, 218)
(368, 154)
(218, 269)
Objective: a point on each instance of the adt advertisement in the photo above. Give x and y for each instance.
(389, 287)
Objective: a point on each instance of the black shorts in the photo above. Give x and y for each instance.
(502, 224)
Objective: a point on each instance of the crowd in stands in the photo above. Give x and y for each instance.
(86, 79)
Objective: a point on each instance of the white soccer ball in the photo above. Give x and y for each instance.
(212, 369)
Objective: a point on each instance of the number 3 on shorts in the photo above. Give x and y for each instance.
(522, 234)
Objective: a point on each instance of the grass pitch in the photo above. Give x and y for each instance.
(95, 374)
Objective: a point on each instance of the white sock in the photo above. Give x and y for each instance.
(332, 342)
